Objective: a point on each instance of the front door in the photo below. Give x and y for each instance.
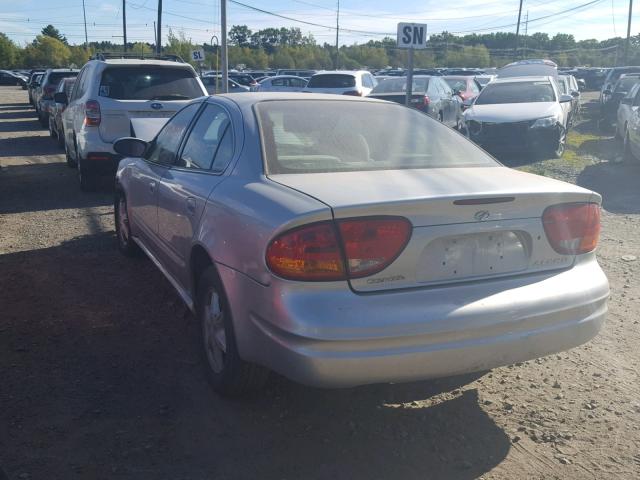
(185, 188)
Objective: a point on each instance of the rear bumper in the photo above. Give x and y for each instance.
(101, 163)
(325, 335)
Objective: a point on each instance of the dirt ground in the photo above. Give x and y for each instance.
(101, 379)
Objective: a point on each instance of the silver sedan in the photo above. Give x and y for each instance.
(312, 236)
(281, 83)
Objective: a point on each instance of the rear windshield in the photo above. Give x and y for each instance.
(358, 136)
(516, 92)
(457, 84)
(55, 77)
(625, 84)
(399, 85)
(149, 83)
(332, 80)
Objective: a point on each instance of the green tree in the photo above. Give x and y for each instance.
(9, 52)
(240, 35)
(46, 51)
(179, 45)
(53, 32)
(79, 55)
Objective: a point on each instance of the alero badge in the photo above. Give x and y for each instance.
(481, 215)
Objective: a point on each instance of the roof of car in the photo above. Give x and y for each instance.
(68, 70)
(521, 79)
(140, 62)
(251, 98)
(340, 72)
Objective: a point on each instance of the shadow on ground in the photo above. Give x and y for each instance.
(99, 358)
(617, 183)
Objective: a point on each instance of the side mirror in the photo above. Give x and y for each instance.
(607, 92)
(565, 98)
(60, 97)
(130, 147)
(575, 93)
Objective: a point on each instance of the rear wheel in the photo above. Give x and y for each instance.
(51, 131)
(87, 180)
(60, 136)
(226, 371)
(71, 163)
(558, 149)
(627, 154)
(126, 244)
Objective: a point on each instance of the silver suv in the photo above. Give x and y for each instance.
(116, 97)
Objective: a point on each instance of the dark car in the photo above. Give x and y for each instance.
(463, 71)
(10, 78)
(467, 88)
(33, 84)
(612, 77)
(56, 129)
(243, 79)
(430, 94)
(47, 87)
(612, 97)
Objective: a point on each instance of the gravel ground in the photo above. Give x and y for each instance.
(100, 377)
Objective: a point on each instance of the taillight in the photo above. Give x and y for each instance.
(48, 92)
(354, 93)
(317, 252)
(422, 103)
(572, 228)
(92, 115)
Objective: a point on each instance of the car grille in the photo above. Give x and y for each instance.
(505, 134)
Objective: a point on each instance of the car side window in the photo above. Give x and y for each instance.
(296, 82)
(474, 87)
(76, 85)
(165, 146)
(210, 143)
(366, 81)
(278, 82)
(636, 100)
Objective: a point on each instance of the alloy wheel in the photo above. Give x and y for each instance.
(214, 333)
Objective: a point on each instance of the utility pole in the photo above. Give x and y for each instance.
(84, 14)
(626, 45)
(159, 32)
(526, 31)
(515, 50)
(335, 60)
(223, 52)
(124, 23)
(155, 34)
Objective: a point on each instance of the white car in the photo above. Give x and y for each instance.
(520, 114)
(117, 97)
(342, 82)
(213, 83)
(281, 83)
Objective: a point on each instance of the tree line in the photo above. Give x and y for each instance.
(290, 48)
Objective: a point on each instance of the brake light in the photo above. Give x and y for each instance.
(572, 228)
(92, 115)
(48, 92)
(317, 252)
(353, 93)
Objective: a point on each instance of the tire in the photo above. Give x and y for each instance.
(627, 154)
(71, 163)
(60, 139)
(227, 373)
(127, 246)
(44, 119)
(51, 133)
(87, 180)
(557, 150)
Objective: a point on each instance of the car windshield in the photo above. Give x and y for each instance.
(516, 92)
(399, 85)
(562, 83)
(625, 84)
(149, 83)
(357, 136)
(332, 80)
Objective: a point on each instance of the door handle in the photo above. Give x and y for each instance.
(191, 206)
(152, 187)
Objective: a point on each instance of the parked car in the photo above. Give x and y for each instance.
(520, 113)
(282, 83)
(243, 79)
(342, 82)
(47, 88)
(429, 94)
(612, 77)
(10, 78)
(33, 84)
(627, 108)
(483, 80)
(296, 72)
(526, 68)
(472, 72)
(466, 87)
(569, 86)
(342, 248)
(212, 83)
(113, 97)
(56, 129)
(611, 98)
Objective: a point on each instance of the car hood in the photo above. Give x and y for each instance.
(511, 112)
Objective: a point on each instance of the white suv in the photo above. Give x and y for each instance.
(119, 97)
(358, 83)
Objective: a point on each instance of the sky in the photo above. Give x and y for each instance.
(360, 20)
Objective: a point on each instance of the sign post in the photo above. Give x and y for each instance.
(411, 36)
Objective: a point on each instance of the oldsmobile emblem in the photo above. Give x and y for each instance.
(156, 106)
(481, 215)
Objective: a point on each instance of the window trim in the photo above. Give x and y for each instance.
(185, 137)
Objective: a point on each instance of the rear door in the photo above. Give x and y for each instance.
(142, 193)
(142, 91)
(185, 188)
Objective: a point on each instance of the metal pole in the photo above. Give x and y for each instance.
(84, 14)
(159, 32)
(515, 50)
(155, 33)
(335, 60)
(626, 45)
(223, 34)
(407, 100)
(124, 23)
(217, 53)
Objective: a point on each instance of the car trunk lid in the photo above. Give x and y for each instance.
(468, 223)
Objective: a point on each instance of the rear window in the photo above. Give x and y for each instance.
(358, 136)
(399, 85)
(149, 83)
(625, 84)
(332, 81)
(516, 92)
(55, 77)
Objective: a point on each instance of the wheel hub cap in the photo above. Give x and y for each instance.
(215, 337)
